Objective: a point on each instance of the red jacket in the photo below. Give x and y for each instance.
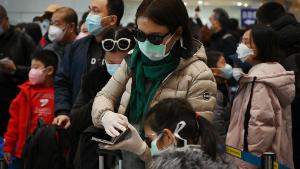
(37, 100)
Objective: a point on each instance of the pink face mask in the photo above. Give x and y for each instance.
(37, 76)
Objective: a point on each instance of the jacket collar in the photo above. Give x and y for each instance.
(199, 54)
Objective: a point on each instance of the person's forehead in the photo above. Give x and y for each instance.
(247, 34)
(59, 15)
(101, 4)
(37, 62)
(148, 26)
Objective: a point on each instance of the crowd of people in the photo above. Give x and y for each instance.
(180, 90)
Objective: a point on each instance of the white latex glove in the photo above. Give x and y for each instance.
(112, 121)
(134, 144)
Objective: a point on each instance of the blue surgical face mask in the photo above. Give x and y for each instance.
(112, 68)
(154, 149)
(1, 30)
(93, 24)
(153, 52)
(227, 71)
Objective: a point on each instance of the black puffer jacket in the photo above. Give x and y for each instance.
(92, 83)
(288, 30)
(18, 47)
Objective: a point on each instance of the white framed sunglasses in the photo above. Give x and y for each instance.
(109, 44)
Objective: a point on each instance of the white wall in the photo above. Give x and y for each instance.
(25, 10)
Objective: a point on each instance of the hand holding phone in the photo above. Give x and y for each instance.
(112, 140)
(134, 143)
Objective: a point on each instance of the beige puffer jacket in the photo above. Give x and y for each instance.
(192, 79)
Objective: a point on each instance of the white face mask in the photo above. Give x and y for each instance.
(244, 52)
(55, 34)
(237, 73)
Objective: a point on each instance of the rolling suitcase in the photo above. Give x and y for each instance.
(103, 152)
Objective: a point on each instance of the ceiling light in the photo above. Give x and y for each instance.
(239, 3)
(185, 3)
(246, 5)
(200, 2)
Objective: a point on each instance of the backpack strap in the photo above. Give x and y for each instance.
(247, 116)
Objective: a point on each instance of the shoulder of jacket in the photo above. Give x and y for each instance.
(197, 67)
(83, 41)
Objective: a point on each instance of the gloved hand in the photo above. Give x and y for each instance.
(134, 144)
(112, 121)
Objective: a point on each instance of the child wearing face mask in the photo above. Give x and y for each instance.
(116, 42)
(170, 124)
(222, 72)
(34, 101)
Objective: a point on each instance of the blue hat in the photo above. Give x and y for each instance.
(245, 66)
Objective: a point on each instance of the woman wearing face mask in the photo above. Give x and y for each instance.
(116, 42)
(243, 51)
(261, 113)
(171, 124)
(165, 63)
(222, 72)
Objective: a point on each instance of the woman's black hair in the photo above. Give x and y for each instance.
(169, 112)
(169, 13)
(266, 42)
(116, 33)
(213, 57)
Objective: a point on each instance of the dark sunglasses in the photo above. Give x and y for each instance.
(109, 44)
(154, 38)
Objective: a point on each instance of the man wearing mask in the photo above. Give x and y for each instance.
(44, 22)
(83, 56)
(62, 30)
(221, 40)
(15, 51)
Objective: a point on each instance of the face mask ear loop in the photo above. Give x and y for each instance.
(178, 128)
(181, 44)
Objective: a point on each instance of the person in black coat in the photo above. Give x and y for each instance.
(221, 39)
(116, 43)
(15, 58)
(283, 23)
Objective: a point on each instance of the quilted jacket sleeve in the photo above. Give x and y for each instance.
(202, 92)
(11, 135)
